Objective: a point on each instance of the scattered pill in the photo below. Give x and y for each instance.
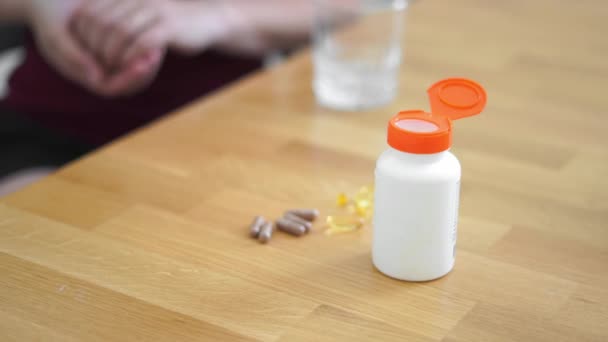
(265, 232)
(363, 208)
(298, 219)
(342, 200)
(291, 227)
(256, 226)
(307, 214)
(343, 224)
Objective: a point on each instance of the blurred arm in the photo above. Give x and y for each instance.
(268, 23)
(13, 10)
(262, 25)
(241, 26)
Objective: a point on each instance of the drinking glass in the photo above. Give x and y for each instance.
(357, 52)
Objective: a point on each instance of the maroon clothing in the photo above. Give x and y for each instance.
(35, 89)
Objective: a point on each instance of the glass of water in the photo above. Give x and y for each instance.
(357, 52)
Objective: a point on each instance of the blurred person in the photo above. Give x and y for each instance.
(95, 69)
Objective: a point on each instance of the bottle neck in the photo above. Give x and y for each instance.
(420, 158)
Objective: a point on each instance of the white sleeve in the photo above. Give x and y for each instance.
(10, 60)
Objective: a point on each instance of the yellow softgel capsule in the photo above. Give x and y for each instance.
(364, 209)
(342, 200)
(342, 224)
(364, 202)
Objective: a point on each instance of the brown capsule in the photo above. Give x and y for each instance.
(298, 219)
(291, 227)
(306, 214)
(266, 232)
(256, 226)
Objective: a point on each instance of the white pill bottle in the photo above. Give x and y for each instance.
(417, 185)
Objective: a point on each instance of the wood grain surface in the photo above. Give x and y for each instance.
(146, 239)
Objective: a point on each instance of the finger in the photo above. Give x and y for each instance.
(122, 36)
(99, 19)
(134, 77)
(113, 25)
(154, 38)
(79, 24)
(110, 22)
(72, 60)
(85, 22)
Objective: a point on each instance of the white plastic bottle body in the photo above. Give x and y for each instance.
(415, 214)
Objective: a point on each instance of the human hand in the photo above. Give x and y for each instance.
(193, 26)
(127, 36)
(120, 30)
(49, 21)
(130, 37)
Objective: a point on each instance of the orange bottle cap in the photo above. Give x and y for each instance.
(419, 132)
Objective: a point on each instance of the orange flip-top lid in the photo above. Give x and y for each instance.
(416, 131)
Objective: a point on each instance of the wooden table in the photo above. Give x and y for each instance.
(146, 239)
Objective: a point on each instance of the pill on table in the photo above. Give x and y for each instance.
(291, 227)
(342, 200)
(256, 226)
(364, 208)
(265, 232)
(306, 224)
(338, 224)
(307, 214)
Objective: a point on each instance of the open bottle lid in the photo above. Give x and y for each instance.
(419, 132)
